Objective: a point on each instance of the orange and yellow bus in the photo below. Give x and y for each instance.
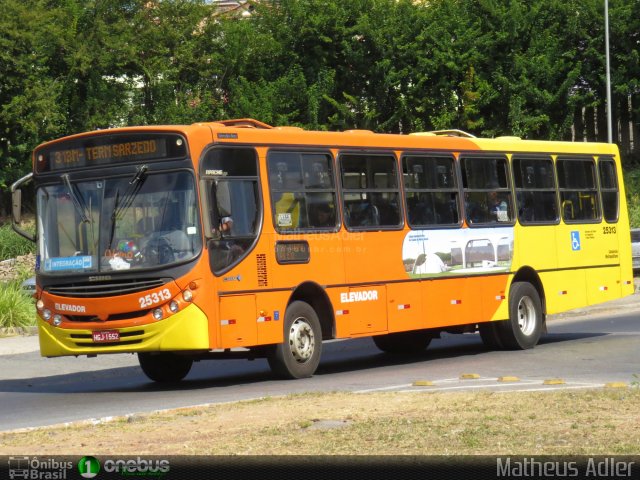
(238, 239)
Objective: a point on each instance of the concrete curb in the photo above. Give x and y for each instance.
(18, 332)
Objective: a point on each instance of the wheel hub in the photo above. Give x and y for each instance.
(526, 316)
(301, 340)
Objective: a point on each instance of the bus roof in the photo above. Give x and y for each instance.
(251, 131)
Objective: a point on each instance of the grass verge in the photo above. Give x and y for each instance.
(589, 422)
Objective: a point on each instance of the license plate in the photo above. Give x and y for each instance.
(106, 336)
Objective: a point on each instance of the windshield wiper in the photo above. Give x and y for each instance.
(132, 190)
(78, 203)
(127, 199)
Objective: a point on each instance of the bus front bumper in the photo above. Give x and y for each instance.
(184, 331)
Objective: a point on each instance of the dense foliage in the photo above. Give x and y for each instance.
(493, 67)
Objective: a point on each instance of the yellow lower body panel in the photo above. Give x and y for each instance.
(186, 330)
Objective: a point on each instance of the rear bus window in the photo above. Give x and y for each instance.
(609, 189)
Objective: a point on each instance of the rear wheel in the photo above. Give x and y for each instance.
(298, 356)
(164, 367)
(526, 319)
(403, 342)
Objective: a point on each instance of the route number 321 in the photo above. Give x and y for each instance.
(155, 297)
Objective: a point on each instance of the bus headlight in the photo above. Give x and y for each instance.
(173, 306)
(157, 313)
(46, 314)
(57, 320)
(39, 305)
(187, 295)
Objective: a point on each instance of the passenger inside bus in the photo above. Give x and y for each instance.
(363, 214)
(527, 211)
(226, 224)
(497, 207)
(322, 215)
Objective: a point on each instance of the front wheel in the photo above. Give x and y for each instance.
(298, 356)
(526, 319)
(164, 367)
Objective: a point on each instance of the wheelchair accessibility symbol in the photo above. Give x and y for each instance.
(575, 241)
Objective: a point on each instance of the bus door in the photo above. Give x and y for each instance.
(233, 218)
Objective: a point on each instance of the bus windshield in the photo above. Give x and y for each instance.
(112, 224)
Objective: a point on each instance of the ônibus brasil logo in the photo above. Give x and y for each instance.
(88, 467)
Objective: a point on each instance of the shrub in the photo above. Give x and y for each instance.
(12, 244)
(16, 306)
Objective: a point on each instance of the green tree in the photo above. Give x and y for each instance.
(29, 112)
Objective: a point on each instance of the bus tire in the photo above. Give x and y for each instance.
(403, 342)
(164, 367)
(526, 320)
(298, 356)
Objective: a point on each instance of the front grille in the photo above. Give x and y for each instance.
(105, 289)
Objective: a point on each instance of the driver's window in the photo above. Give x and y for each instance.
(232, 203)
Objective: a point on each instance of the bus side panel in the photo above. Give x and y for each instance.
(581, 246)
(366, 309)
(271, 307)
(603, 284)
(238, 322)
(373, 256)
(494, 302)
(564, 290)
(359, 311)
(404, 307)
(325, 260)
(627, 286)
(448, 302)
(535, 246)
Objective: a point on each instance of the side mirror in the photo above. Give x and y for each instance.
(16, 207)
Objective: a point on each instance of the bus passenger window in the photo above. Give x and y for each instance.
(431, 190)
(609, 189)
(578, 190)
(535, 190)
(487, 192)
(302, 191)
(371, 191)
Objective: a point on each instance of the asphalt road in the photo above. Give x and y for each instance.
(586, 348)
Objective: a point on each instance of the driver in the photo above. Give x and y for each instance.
(226, 224)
